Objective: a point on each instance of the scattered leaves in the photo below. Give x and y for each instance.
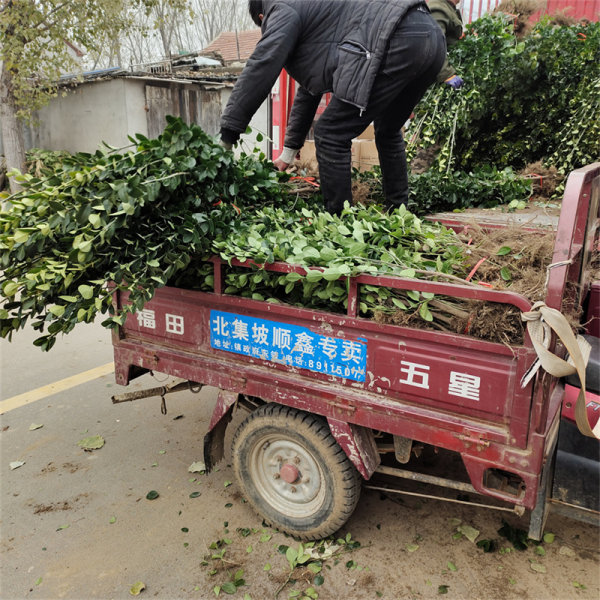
(517, 537)
(137, 588)
(469, 532)
(197, 467)
(487, 545)
(94, 442)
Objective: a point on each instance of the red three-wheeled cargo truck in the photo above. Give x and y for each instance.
(337, 401)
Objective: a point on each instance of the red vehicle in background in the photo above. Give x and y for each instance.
(335, 399)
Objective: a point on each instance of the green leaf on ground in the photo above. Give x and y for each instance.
(94, 442)
(452, 566)
(469, 532)
(152, 495)
(549, 538)
(487, 545)
(518, 537)
(136, 588)
(537, 567)
(229, 587)
(443, 589)
(197, 467)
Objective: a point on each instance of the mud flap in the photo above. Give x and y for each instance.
(214, 440)
(359, 445)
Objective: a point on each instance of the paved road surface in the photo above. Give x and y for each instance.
(77, 524)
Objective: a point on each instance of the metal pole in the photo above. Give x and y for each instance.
(519, 510)
(447, 483)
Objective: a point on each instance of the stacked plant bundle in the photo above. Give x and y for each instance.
(528, 99)
(153, 216)
(135, 219)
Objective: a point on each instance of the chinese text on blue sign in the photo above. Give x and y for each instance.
(288, 344)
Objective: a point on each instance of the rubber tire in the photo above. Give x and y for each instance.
(339, 482)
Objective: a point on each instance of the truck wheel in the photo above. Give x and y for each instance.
(293, 472)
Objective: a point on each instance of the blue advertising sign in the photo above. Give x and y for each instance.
(288, 344)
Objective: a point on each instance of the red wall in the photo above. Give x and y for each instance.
(588, 9)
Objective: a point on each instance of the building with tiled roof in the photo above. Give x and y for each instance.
(234, 46)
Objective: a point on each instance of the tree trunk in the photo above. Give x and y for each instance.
(12, 131)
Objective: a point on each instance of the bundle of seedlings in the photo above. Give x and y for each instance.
(154, 215)
(512, 258)
(133, 219)
(366, 240)
(526, 99)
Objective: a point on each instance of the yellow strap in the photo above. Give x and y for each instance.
(540, 319)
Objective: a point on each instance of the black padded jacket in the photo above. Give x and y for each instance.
(325, 45)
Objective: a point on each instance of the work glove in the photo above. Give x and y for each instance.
(228, 138)
(455, 82)
(286, 158)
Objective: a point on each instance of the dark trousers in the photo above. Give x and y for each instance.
(414, 57)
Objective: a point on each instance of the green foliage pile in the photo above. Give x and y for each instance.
(153, 216)
(135, 219)
(525, 100)
(434, 191)
(361, 240)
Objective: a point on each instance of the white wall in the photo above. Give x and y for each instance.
(108, 111)
(259, 124)
(101, 111)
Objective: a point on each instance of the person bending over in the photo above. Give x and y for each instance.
(377, 57)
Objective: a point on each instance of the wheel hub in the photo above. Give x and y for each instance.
(289, 473)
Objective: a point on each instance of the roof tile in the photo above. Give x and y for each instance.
(226, 45)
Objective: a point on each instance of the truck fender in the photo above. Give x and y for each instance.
(214, 440)
(359, 445)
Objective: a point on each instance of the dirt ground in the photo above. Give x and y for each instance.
(78, 525)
